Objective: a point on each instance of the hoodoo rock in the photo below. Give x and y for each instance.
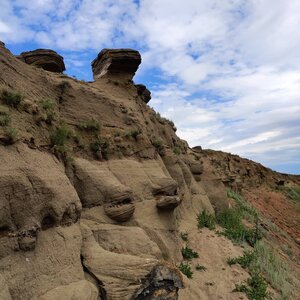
(123, 62)
(46, 59)
(143, 92)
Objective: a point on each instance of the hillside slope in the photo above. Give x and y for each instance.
(99, 197)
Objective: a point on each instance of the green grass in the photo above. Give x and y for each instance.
(292, 193)
(89, 125)
(188, 253)
(61, 135)
(245, 260)
(256, 288)
(4, 119)
(48, 106)
(12, 98)
(100, 145)
(186, 269)
(134, 134)
(176, 150)
(206, 220)
(11, 134)
(160, 148)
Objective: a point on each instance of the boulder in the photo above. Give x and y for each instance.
(116, 62)
(46, 59)
(143, 92)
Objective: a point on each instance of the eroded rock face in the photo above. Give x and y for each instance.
(116, 62)
(46, 59)
(143, 92)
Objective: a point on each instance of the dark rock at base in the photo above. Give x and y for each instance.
(46, 59)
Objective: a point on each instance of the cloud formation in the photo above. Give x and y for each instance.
(226, 72)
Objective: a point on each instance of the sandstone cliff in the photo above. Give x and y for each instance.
(96, 189)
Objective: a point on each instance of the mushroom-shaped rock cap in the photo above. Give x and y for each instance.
(116, 61)
(44, 58)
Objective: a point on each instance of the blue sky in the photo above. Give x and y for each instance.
(226, 72)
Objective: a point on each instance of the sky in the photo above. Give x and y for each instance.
(226, 72)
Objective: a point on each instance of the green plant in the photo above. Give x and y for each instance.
(63, 153)
(184, 236)
(12, 98)
(134, 134)
(188, 253)
(235, 230)
(186, 269)
(206, 220)
(160, 148)
(256, 288)
(200, 268)
(100, 145)
(4, 118)
(292, 193)
(177, 150)
(89, 125)
(11, 135)
(245, 260)
(48, 106)
(61, 135)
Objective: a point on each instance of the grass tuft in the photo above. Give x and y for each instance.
(186, 269)
(89, 125)
(12, 98)
(4, 119)
(188, 253)
(206, 220)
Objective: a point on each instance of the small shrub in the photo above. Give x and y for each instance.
(4, 118)
(134, 134)
(100, 145)
(49, 107)
(12, 98)
(188, 253)
(184, 236)
(160, 148)
(206, 220)
(200, 268)
(245, 260)
(11, 135)
(177, 150)
(256, 288)
(61, 135)
(89, 125)
(186, 269)
(63, 153)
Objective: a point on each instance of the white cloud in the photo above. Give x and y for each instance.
(234, 64)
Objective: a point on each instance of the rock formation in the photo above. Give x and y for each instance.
(111, 62)
(46, 59)
(93, 204)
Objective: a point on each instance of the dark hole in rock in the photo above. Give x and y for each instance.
(4, 230)
(48, 222)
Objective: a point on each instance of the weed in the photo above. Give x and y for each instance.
(61, 135)
(184, 236)
(186, 269)
(244, 260)
(134, 134)
(256, 288)
(158, 144)
(200, 268)
(188, 253)
(4, 118)
(11, 135)
(177, 150)
(206, 220)
(12, 98)
(89, 125)
(49, 107)
(100, 145)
